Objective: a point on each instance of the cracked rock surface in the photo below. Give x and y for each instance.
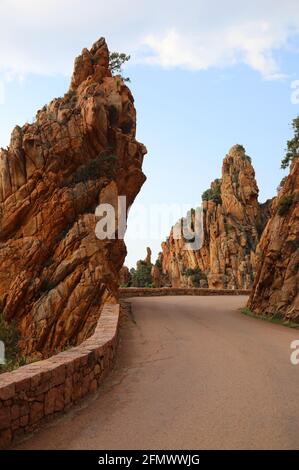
(81, 150)
(275, 289)
(233, 221)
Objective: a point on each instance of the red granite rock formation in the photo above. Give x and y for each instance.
(233, 221)
(276, 285)
(81, 151)
(124, 277)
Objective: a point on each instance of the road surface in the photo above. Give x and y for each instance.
(191, 373)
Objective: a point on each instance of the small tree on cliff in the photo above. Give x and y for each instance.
(292, 146)
(10, 337)
(116, 61)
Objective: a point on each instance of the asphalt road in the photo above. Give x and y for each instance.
(191, 373)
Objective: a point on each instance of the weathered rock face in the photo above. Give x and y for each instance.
(148, 258)
(124, 276)
(81, 151)
(146, 274)
(233, 221)
(275, 289)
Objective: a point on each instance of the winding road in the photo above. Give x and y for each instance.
(191, 373)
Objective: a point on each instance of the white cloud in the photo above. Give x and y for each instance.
(252, 43)
(43, 37)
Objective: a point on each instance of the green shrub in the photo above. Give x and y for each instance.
(141, 276)
(214, 193)
(103, 165)
(235, 175)
(284, 204)
(273, 318)
(195, 274)
(292, 150)
(239, 148)
(91, 171)
(10, 336)
(228, 227)
(116, 61)
(192, 271)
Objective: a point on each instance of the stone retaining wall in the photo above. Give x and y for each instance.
(38, 391)
(145, 292)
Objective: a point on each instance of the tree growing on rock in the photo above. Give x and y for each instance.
(292, 146)
(116, 61)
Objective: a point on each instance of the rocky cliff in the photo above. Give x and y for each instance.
(233, 221)
(81, 151)
(275, 289)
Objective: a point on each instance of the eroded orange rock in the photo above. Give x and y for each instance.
(81, 150)
(124, 276)
(233, 221)
(276, 285)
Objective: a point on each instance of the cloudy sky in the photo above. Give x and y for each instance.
(206, 74)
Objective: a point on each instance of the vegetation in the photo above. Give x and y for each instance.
(91, 171)
(284, 204)
(141, 276)
(116, 61)
(235, 175)
(128, 284)
(192, 271)
(292, 151)
(240, 148)
(109, 165)
(158, 262)
(214, 193)
(109, 158)
(196, 275)
(104, 165)
(275, 318)
(228, 227)
(251, 246)
(10, 337)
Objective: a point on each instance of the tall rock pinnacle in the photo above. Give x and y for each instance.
(81, 150)
(232, 223)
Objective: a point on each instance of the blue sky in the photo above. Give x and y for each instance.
(203, 79)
